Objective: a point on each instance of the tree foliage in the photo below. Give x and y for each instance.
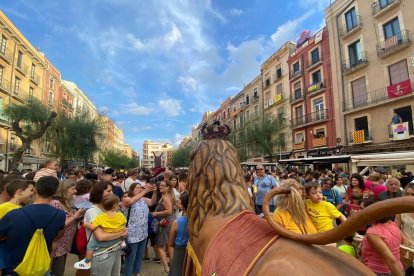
(116, 159)
(76, 137)
(181, 157)
(29, 122)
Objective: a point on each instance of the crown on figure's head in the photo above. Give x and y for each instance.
(215, 130)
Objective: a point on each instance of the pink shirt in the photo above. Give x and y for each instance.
(391, 235)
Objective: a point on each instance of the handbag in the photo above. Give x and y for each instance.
(127, 249)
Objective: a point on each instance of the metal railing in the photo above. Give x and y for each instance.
(393, 44)
(376, 96)
(310, 118)
(6, 55)
(377, 6)
(5, 85)
(22, 68)
(34, 78)
(312, 62)
(346, 28)
(295, 74)
(276, 77)
(266, 82)
(296, 96)
(355, 138)
(316, 87)
(353, 64)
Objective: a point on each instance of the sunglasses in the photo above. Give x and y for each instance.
(260, 169)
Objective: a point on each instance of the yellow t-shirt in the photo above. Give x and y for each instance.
(108, 224)
(284, 218)
(7, 207)
(322, 214)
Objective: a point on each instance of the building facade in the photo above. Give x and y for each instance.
(372, 71)
(311, 99)
(150, 149)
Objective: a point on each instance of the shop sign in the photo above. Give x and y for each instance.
(321, 153)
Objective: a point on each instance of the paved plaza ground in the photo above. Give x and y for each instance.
(147, 268)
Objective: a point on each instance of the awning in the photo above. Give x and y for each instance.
(317, 160)
(384, 159)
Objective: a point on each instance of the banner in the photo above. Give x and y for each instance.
(278, 98)
(358, 136)
(400, 131)
(399, 89)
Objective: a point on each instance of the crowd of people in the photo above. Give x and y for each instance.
(321, 200)
(111, 219)
(107, 218)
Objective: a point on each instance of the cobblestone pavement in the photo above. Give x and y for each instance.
(147, 268)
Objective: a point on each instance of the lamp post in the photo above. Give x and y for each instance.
(338, 146)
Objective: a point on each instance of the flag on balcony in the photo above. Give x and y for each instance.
(319, 142)
(358, 136)
(391, 42)
(399, 89)
(400, 131)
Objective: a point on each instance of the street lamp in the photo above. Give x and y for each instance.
(338, 146)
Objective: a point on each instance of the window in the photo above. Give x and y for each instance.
(19, 59)
(51, 83)
(3, 44)
(51, 101)
(224, 114)
(299, 137)
(297, 88)
(1, 74)
(314, 56)
(296, 68)
(351, 19)
(319, 133)
(361, 123)
(31, 92)
(319, 109)
(359, 92)
(241, 121)
(392, 29)
(299, 112)
(384, 3)
(278, 72)
(16, 85)
(355, 54)
(234, 124)
(398, 72)
(33, 71)
(316, 77)
(247, 115)
(279, 89)
(255, 93)
(282, 141)
(267, 99)
(267, 79)
(247, 99)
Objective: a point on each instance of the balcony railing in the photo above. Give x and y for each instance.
(296, 96)
(22, 68)
(255, 98)
(310, 118)
(316, 87)
(373, 97)
(393, 44)
(295, 74)
(19, 94)
(346, 29)
(354, 64)
(319, 142)
(35, 78)
(7, 56)
(379, 7)
(277, 77)
(299, 146)
(4, 85)
(313, 62)
(401, 131)
(360, 136)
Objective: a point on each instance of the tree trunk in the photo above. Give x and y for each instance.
(18, 155)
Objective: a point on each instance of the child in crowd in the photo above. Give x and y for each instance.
(111, 221)
(179, 239)
(347, 247)
(20, 191)
(322, 212)
(355, 204)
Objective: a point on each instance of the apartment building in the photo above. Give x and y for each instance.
(372, 71)
(276, 107)
(150, 149)
(22, 70)
(51, 86)
(81, 103)
(311, 99)
(66, 100)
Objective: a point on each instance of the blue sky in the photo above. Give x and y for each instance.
(156, 66)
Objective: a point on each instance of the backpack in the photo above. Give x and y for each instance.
(36, 260)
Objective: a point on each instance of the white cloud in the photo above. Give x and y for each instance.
(135, 109)
(173, 36)
(319, 4)
(236, 12)
(177, 139)
(188, 83)
(171, 107)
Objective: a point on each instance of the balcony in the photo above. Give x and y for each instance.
(312, 63)
(352, 65)
(360, 137)
(295, 74)
(393, 44)
(375, 97)
(402, 131)
(35, 78)
(4, 86)
(316, 88)
(255, 98)
(379, 7)
(22, 68)
(319, 142)
(296, 96)
(345, 30)
(266, 83)
(7, 56)
(19, 94)
(299, 146)
(277, 77)
(310, 118)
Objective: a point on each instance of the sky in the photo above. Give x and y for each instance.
(156, 66)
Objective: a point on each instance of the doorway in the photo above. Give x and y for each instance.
(407, 116)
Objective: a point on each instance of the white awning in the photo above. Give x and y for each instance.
(384, 159)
